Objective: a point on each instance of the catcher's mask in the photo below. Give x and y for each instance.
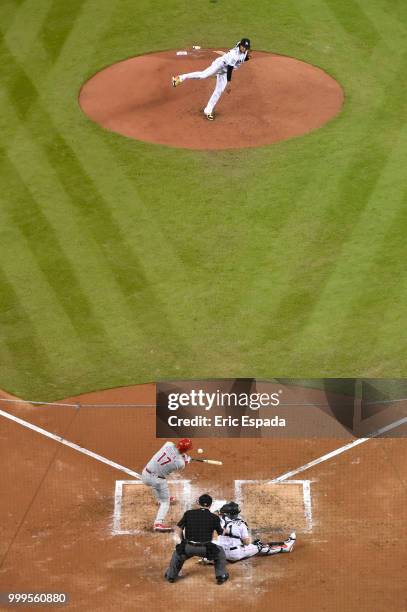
(184, 445)
(231, 509)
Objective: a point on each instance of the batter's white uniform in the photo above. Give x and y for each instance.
(167, 460)
(235, 531)
(219, 68)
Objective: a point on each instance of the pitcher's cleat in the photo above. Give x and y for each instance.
(210, 116)
(176, 81)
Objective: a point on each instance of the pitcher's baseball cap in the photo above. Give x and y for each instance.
(245, 42)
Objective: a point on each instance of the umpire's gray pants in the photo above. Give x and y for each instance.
(177, 560)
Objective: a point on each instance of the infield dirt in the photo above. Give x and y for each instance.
(58, 510)
(273, 98)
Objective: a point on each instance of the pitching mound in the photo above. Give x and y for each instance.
(273, 98)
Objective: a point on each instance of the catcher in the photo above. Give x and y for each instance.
(236, 540)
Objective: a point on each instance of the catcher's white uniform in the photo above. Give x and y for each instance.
(167, 460)
(236, 533)
(219, 68)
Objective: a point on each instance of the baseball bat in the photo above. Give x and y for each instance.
(211, 461)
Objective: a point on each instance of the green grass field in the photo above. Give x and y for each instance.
(125, 262)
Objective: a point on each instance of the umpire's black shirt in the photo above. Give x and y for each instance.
(199, 525)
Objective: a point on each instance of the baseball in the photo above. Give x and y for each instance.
(200, 451)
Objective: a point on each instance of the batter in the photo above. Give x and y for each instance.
(170, 458)
(222, 67)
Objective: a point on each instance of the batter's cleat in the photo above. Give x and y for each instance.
(172, 500)
(210, 116)
(176, 81)
(222, 579)
(162, 528)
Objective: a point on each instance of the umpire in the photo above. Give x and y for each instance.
(196, 529)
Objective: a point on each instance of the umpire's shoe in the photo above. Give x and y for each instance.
(222, 579)
(168, 579)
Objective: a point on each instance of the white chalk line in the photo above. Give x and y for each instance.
(118, 503)
(7, 400)
(306, 494)
(65, 442)
(338, 451)
(279, 479)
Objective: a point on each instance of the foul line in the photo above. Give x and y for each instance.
(338, 451)
(65, 442)
(122, 468)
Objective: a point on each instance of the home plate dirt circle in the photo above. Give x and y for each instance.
(273, 98)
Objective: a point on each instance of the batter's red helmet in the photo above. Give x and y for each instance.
(184, 445)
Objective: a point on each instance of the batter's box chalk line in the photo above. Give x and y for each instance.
(117, 529)
(185, 497)
(306, 495)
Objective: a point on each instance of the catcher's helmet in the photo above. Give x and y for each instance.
(244, 42)
(184, 445)
(230, 509)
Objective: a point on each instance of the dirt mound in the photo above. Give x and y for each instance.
(273, 98)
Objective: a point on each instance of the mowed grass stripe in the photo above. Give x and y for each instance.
(290, 213)
(318, 266)
(56, 150)
(8, 10)
(61, 18)
(98, 216)
(124, 261)
(126, 241)
(381, 288)
(384, 297)
(53, 260)
(38, 317)
(196, 273)
(366, 281)
(96, 164)
(96, 276)
(359, 284)
(354, 20)
(20, 345)
(391, 23)
(331, 234)
(119, 258)
(20, 37)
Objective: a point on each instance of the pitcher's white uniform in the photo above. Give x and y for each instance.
(167, 460)
(233, 58)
